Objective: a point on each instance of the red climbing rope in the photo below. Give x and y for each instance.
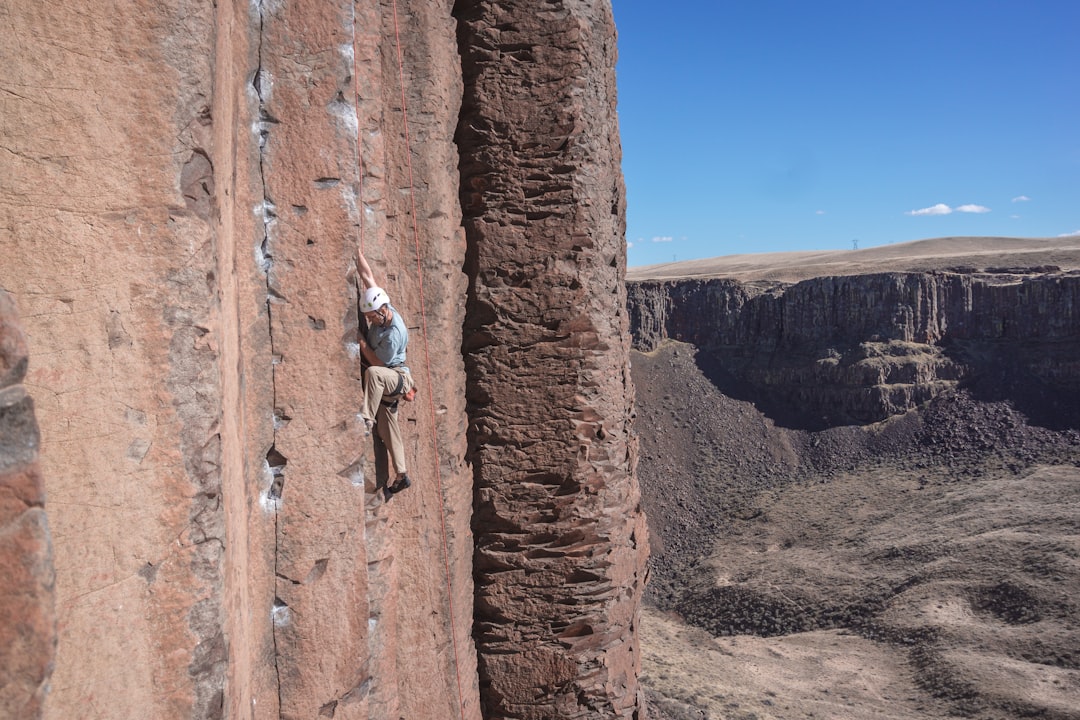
(423, 321)
(427, 363)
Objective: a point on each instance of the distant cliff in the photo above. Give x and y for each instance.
(860, 348)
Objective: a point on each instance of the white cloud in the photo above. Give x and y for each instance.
(1015, 217)
(1074, 233)
(662, 238)
(943, 209)
(1021, 198)
(820, 212)
(939, 209)
(629, 244)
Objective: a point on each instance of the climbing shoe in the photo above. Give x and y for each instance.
(403, 482)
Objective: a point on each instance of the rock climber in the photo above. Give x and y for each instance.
(386, 380)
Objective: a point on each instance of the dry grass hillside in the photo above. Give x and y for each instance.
(916, 256)
(923, 567)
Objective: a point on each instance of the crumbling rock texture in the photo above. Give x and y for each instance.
(857, 349)
(941, 534)
(27, 613)
(560, 536)
(182, 188)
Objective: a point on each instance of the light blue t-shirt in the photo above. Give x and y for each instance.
(389, 342)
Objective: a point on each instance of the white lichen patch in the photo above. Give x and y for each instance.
(280, 614)
(356, 478)
(267, 501)
(346, 113)
(346, 50)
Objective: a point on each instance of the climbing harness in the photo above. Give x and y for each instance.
(423, 318)
(390, 399)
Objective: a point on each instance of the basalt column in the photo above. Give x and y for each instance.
(108, 247)
(560, 537)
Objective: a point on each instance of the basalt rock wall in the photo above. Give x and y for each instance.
(182, 187)
(860, 348)
(560, 535)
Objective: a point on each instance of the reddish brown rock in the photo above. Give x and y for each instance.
(183, 249)
(110, 254)
(180, 199)
(27, 614)
(361, 584)
(560, 536)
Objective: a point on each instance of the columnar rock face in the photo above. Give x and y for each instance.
(560, 537)
(27, 614)
(107, 205)
(355, 577)
(862, 348)
(183, 186)
(181, 201)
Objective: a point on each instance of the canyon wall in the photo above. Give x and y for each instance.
(861, 348)
(183, 187)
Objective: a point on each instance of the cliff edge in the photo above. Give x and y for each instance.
(869, 343)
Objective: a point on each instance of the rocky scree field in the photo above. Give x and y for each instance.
(926, 566)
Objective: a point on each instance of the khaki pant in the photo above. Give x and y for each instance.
(380, 381)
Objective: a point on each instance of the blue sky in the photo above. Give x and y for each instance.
(776, 125)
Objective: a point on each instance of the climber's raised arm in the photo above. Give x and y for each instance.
(366, 276)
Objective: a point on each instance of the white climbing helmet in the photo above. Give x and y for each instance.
(374, 298)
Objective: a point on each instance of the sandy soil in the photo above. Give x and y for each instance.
(820, 674)
(924, 567)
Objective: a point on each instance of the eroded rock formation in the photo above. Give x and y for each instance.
(184, 184)
(858, 349)
(560, 535)
(27, 613)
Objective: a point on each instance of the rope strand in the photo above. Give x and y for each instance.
(423, 318)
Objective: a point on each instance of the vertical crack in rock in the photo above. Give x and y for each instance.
(195, 384)
(559, 533)
(275, 461)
